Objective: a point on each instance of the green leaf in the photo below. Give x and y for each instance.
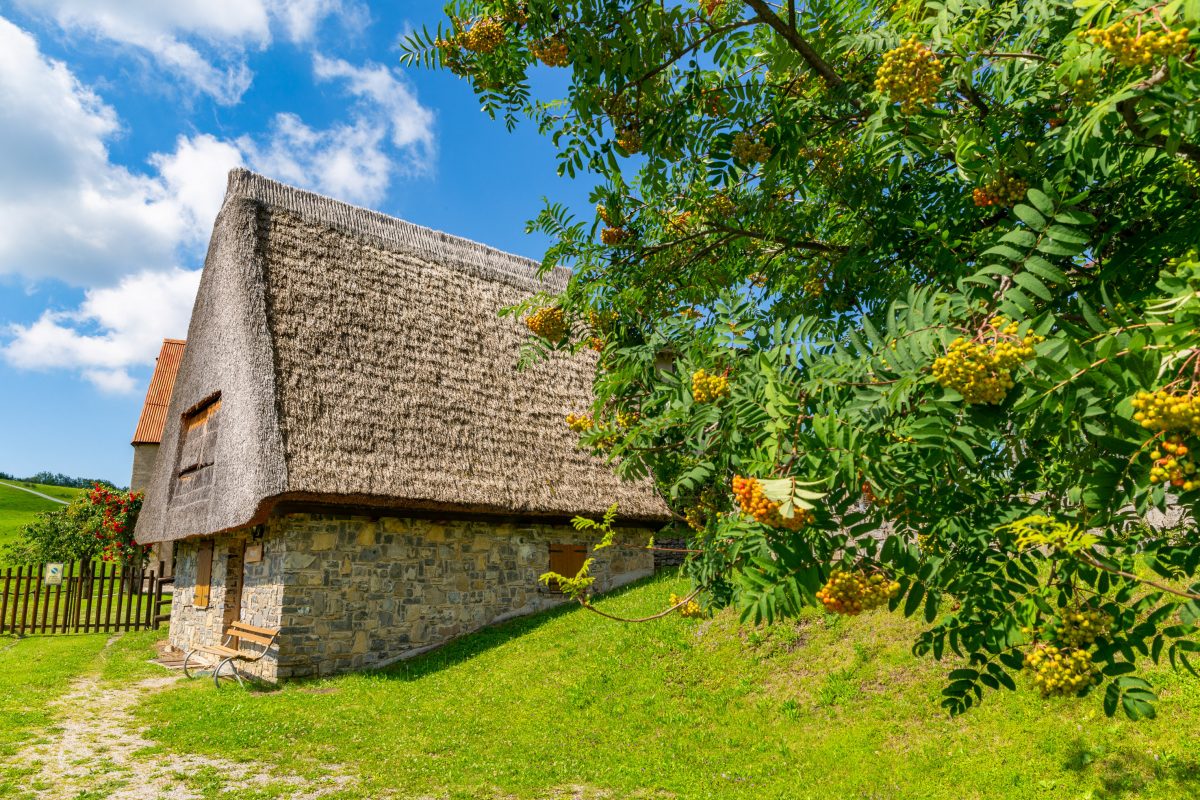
(1039, 199)
(1030, 217)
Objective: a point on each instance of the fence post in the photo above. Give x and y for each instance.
(37, 600)
(4, 597)
(25, 604)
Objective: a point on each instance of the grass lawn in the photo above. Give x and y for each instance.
(18, 508)
(826, 708)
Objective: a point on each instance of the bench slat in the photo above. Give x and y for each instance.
(217, 649)
(255, 629)
(247, 636)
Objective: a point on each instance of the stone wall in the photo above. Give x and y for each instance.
(355, 592)
(261, 601)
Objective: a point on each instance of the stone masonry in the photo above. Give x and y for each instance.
(351, 592)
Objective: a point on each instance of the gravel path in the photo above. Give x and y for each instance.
(96, 751)
(31, 491)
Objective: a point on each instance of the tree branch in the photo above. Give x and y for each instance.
(1128, 110)
(801, 244)
(798, 43)
(1170, 590)
(583, 602)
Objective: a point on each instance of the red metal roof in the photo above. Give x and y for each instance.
(158, 396)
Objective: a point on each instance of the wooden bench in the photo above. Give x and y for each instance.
(230, 652)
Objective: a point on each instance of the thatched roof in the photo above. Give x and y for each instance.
(359, 360)
(158, 395)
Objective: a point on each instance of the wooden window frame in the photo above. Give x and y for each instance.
(202, 593)
(193, 432)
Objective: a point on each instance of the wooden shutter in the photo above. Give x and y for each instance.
(203, 574)
(566, 560)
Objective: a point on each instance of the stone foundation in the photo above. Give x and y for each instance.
(351, 593)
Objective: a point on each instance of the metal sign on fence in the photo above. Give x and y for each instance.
(54, 574)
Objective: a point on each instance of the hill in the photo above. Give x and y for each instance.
(568, 704)
(17, 507)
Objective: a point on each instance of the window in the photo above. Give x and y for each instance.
(203, 574)
(566, 560)
(199, 437)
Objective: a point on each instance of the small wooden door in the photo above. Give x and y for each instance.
(566, 560)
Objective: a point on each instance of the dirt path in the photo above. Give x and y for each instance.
(97, 751)
(31, 491)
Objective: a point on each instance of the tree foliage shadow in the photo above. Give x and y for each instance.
(473, 644)
(1124, 772)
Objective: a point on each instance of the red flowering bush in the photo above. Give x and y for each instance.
(113, 525)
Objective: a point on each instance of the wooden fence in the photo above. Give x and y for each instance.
(91, 598)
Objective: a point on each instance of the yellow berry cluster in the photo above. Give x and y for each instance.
(596, 343)
(1081, 628)
(910, 75)
(749, 148)
(580, 423)
(1167, 410)
(547, 322)
(1061, 671)
(981, 369)
(1133, 48)
(753, 501)
(721, 206)
(707, 388)
(1006, 190)
(552, 52)
(689, 609)
(484, 36)
(630, 140)
(695, 518)
(1173, 464)
(613, 236)
(854, 592)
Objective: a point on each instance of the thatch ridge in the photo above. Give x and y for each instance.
(467, 255)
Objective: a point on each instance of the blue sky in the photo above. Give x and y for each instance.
(118, 122)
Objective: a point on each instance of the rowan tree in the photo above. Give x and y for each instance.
(894, 303)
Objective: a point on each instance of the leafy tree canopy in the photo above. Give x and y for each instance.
(897, 303)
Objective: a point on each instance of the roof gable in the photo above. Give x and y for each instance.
(361, 360)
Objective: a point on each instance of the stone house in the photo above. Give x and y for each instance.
(349, 453)
(147, 437)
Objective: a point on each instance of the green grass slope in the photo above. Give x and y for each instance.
(17, 508)
(568, 704)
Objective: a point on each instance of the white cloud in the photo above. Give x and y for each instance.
(203, 41)
(73, 215)
(113, 329)
(352, 162)
(384, 91)
(69, 213)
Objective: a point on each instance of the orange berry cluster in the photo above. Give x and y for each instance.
(547, 322)
(910, 75)
(707, 388)
(981, 369)
(750, 497)
(1061, 671)
(1173, 464)
(1133, 48)
(613, 236)
(580, 423)
(552, 52)
(484, 36)
(1006, 190)
(749, 148)
(854, 592)
(689, 609)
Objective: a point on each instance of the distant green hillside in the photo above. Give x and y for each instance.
(18, 508)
